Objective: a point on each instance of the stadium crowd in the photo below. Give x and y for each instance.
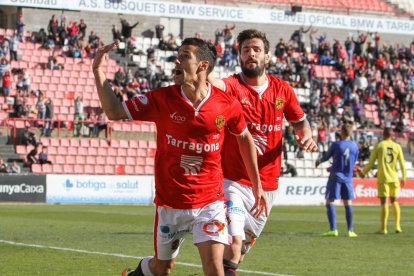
(365, 72)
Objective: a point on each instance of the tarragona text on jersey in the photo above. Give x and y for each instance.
(264, 114)
(188, 172)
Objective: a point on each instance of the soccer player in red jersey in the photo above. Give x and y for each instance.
(265, 100)
(191, 119)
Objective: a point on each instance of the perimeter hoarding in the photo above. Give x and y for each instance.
(113, 189)
(22, 188)
(311, 191)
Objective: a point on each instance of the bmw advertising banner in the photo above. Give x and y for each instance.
(22, 188)
(114, 189)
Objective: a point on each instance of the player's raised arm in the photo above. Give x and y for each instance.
(303, 136)
(249, 155)
(110, 103)
(216, 82)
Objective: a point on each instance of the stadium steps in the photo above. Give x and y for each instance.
(8, 153)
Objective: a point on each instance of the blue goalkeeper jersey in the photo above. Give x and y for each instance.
(344, 156)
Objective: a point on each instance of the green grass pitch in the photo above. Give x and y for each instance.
(103, 239)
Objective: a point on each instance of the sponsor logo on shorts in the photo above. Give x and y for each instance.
(175, 244)
(214, 227)
(164, 229)
(235, 210)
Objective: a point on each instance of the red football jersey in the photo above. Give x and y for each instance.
(188, 172)
(264, 117)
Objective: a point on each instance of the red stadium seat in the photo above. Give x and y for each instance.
(37, 168)
(119, 169)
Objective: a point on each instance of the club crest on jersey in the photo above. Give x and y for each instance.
(220, 121)
(279, 103)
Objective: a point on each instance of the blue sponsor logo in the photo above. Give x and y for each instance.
(68, 184)
(228, 203)
(164, 229)
(88, 184)
(127, 184)
(235, 210)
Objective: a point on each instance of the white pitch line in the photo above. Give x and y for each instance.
(121, 256)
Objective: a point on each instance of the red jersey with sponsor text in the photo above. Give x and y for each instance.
(188, 172)
(264, 117)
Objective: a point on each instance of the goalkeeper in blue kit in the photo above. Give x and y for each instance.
(344, 154)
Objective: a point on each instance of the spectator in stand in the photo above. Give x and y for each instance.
(4, 167)
(321, 137)
(29, 138)
(126, 32)
(163, 45)
(6, 83)
(116, 33)
(79, 116)
(73, 32)
(102, 125)
(82, 28)
(62, 35)
(14, 46)
(171, 43)
(280, 50)
(43, 156)
(93, 37)
(228, 36)
(14, 168)
(52, 62)
(41, 107)
(20, 27)
(53, 26)
(47, 129)
(159, 31)
(119, 78)
(26, 82)
(152, 74)
(289, 169)
(32, 156)
(5, 46)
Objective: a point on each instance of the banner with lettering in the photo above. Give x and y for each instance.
(225, 13)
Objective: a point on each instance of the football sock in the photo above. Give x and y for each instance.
(397, 214)
(384, 216)
(331, 212)
(349, 217)
(229, 268)
(143, 268)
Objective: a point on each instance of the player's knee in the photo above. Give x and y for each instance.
(229, 268)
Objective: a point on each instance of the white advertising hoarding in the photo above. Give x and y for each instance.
(63, 188)
(301, 191)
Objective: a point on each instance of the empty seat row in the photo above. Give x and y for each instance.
(92, 169)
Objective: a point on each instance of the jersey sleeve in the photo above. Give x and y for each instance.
(329, 153)
(293, 112)
(236, 123)
(142, 107)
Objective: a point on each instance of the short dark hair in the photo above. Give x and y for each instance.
(250, 34)
(205, 51)
(387, 133)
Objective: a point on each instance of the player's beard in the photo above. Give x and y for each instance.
(258, 70)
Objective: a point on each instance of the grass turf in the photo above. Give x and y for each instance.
(289, 245)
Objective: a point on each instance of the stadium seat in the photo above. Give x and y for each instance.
(37, 168)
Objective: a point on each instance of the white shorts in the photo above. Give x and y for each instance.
(240, 200)
(207, 224)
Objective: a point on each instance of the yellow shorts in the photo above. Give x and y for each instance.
(388, 189)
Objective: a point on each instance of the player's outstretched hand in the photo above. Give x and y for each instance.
(260, 204)
(303, 138)
(101, 52)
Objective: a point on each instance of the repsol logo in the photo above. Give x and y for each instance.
(22, 189)
(305, 190)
